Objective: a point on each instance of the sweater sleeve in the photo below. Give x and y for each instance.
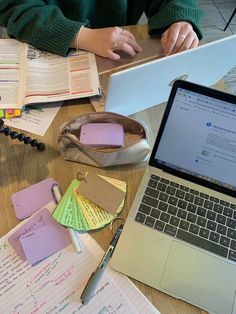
(38, 24)
(161, 14)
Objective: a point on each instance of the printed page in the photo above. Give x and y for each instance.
(55, 285)
(54, 78)
(12, 64)
(36, 119)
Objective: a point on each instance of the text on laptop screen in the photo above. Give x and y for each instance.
(199, 138)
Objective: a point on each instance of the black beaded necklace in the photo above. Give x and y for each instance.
(21, 137)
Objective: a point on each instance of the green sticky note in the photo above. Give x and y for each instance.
(79, 221)
(2, 113)
(64, 211)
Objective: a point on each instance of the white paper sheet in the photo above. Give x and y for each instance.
(55, 285)
(38, 120)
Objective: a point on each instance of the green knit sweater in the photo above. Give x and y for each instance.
(52, 24)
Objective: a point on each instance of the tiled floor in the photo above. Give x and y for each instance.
(216, 14)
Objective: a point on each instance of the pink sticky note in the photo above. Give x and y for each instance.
(44, 242)
(39, 220)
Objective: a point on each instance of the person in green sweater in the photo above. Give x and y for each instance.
(95, 25)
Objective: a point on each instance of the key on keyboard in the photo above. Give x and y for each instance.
(189, 215)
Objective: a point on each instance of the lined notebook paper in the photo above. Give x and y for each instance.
(55, 285)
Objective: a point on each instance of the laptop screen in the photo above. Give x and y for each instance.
(198, 137)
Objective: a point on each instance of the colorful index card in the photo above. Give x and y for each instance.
(43, 242)
(79, 213)
(39, 220)
(32, 198)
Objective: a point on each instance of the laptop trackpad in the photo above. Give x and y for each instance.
(200, 278)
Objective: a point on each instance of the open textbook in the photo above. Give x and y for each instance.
(30, 76)
(55, 284)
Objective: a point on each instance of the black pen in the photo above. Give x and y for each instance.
(96, 276)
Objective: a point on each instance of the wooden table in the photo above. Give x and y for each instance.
(21, 166)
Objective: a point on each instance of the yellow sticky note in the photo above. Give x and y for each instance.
(95, 216)
(17, 112)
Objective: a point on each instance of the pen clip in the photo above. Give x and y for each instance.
(117, 235)
(55, 184)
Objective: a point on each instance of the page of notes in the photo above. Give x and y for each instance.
(55, 284)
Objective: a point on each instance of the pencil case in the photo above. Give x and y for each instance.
(136, 147)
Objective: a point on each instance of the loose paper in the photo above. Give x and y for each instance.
(55, 285)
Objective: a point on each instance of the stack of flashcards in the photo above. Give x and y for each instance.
(91, 203)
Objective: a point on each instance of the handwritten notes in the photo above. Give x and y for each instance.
(55, 285)
(39, 237)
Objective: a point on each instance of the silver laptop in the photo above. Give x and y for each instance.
(149, 84)
(180, 234)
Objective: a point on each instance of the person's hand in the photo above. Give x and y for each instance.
(106, 41)
(178, 37)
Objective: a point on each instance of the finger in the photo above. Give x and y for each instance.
(132, 43)
(171, 39)
(131, 36)
(128, 34)
(112, 55)
(126, 48)
(194, 43)
(184, 45)
(164, 43)
(190, 42)
(181, 41)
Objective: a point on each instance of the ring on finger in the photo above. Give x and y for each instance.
(114, 44)
(182, 35)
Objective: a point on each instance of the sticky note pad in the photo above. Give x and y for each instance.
(101, 192)
(42, 242)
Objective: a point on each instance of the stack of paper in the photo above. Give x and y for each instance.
(55, 285)
(80, 214)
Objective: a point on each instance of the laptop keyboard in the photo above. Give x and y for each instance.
(187, 214)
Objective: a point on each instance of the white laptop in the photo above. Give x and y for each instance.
(149, 84)
(180, 234)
